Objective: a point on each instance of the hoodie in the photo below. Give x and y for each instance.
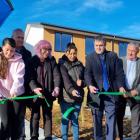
(13, 84)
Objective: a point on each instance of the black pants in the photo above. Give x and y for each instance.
(4, 122)
(35, 117)
(135, 118)
(12, 115)
(120, 112)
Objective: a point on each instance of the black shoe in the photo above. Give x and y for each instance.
(48, 138)
(34, 138)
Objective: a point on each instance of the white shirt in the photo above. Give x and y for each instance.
(130, 73)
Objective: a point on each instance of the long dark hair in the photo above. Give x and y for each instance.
(71, 46)
(3, 59)
(9, 41)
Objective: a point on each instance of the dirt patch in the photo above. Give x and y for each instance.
(85, 123)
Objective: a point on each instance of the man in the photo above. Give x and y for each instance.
(103, 73)
(131, 64)
(18, 36)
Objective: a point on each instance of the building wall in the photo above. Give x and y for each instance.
(109, 45)
(32, 36)
(79, 40)
(50, 36)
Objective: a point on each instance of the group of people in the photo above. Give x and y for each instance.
(22, 74)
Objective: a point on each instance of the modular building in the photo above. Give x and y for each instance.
(59, 36)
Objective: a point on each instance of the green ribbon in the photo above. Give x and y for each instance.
(117, 94)
(3, 101)
(71, 109)
(46, 102)
(20, 98)
(68, 112)
(137, 97)
(112, 93)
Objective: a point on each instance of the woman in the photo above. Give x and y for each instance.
(45, 79)
(72, 71)
(12, 71)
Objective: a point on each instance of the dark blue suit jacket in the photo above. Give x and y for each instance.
(93, 74)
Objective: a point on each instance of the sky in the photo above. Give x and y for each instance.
(115, 17)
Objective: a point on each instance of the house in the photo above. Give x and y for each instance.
(59, 36)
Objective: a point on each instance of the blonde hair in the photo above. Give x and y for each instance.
(3, 66)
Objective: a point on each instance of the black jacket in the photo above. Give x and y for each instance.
(26, 56)
(93, 74)
(51, 75)
(71, 72)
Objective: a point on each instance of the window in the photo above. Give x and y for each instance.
(89, 45)
(57, 42)
(61, 41)
(122, 49)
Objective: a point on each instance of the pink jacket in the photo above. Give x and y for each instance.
(13, 84)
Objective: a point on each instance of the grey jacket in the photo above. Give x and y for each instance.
(136, 83)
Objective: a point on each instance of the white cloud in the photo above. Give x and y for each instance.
(70, 8)
(101, 5)
(45, 8)
(66, 9)
(132, 30)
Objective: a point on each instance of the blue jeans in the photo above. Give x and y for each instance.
(73, 118)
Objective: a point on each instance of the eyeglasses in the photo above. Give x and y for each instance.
(47, 49)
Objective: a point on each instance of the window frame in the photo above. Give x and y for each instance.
(61, 48)
(89, 37)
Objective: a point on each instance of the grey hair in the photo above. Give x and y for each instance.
(135, 44)
(100, 38)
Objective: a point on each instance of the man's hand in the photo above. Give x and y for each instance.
(134, 92)
(93, 89)
(121, 89)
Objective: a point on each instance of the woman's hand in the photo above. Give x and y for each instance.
(13, 95)
(38, 90)
(56, 91)
(79, 82)
(75, 93)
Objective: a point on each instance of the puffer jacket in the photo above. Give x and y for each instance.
(71, 72)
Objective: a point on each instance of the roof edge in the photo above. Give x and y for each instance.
(81, 30)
